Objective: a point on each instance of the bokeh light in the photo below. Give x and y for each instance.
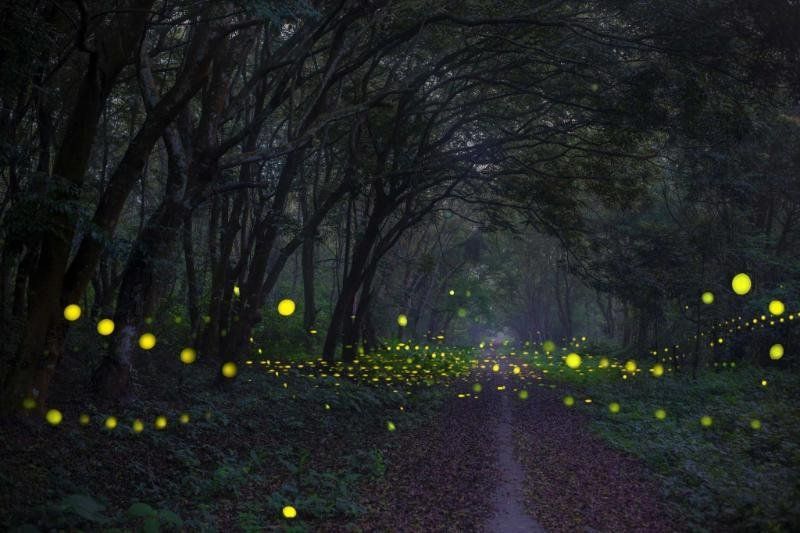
(741, 284)
(776, 352)
(54, 417)
(573, 360)
(286, 307)
(188, 356)
(229, 370)
(72, 312)
(147, 341)
(776, 307)
(105, 327)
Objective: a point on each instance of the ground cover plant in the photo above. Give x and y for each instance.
(399, 265)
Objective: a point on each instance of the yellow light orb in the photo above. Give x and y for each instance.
(660, 414)
(289, 512)
(137, 426)
(390, 426)
(286, 307)
(613, 407)
(706, 421)
(72, 312)
(495, 368)
(573, 360)
(741, 284)
(402, 320)
(147, 341)
(604, 362)
(708, 298)
(517, 370)
(477, 388)
(236, 291)
(105, 327)
(53, 417)
(776, 352)
(83, 419)
(755, 423)
(657, 370)
(523, 394)
(161, 422)
(451, 292)
(184, 418)
(188, 356)
(229, 370)
(111, 422)
(776, 307)
(549, 346)
(569, 401)
(630, 366)
(29, 403)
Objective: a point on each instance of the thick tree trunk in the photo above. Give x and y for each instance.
(114, 45)
(138, 297)
(340, 324)
(208, 341)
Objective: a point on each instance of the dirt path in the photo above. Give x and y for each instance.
(509, 511)
(493, 463)
(577, 482)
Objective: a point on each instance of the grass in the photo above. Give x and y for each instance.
(725, 476)
(296, 432)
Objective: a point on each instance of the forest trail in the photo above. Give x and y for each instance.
(509, 511)
(493, 462)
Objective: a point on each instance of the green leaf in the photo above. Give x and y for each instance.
(151, 525)
(168, 517)
(84, 506)
(140, 510)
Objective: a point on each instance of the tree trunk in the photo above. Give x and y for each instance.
(192, 289)
(308, 267)
(340, 323)
(138, 296)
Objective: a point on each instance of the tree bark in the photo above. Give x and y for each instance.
(114, 44)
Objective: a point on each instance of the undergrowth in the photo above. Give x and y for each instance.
(246, 450)
(738, 473)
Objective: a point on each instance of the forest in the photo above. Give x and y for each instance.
(399, 265)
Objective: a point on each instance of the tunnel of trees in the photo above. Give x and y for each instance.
(404, 171)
